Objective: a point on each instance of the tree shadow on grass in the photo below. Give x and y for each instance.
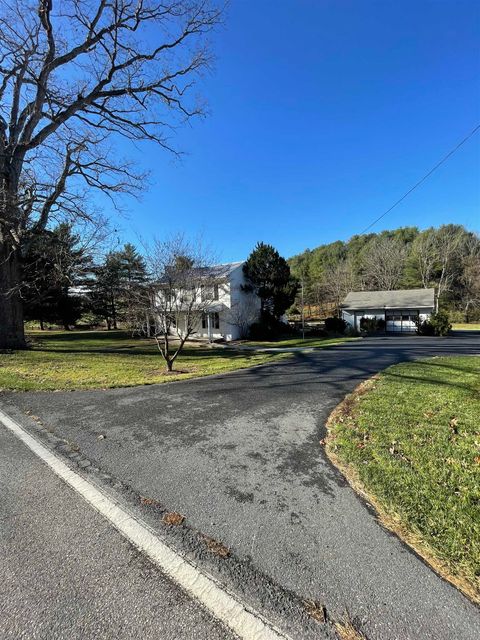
(473, 391)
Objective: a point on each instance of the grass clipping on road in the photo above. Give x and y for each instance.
(408, 440)
(69, 360)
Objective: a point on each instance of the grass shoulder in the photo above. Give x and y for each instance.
(69, 360)
(463, 326)
(409, 441)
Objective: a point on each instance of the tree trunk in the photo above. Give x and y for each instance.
(12, 333)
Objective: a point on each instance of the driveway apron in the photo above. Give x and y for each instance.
(239, 455)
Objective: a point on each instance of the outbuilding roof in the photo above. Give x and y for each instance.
(397, 299)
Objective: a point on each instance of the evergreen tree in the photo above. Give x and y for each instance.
(118, 282)
(268, 275)
(54, 267)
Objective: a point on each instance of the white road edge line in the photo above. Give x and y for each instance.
(227, 608)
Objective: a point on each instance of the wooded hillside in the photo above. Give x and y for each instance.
(447, 257)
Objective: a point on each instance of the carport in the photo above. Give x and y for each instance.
(400, 310)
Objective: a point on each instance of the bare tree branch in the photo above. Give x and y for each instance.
(75, 75)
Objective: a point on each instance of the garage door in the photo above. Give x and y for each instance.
(401, 321)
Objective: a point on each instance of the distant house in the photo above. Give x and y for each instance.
(228, 311)
(400, 309)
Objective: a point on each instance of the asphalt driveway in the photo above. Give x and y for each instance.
(239, 455)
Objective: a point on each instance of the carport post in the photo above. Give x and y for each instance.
(209, 327)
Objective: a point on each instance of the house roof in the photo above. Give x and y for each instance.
(214, 272)
(223, 270)
(398, 299)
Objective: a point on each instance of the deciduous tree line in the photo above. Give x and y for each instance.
(447, 257)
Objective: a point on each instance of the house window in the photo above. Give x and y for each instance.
(214, 320)
(209, 292)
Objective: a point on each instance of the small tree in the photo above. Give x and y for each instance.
(243, 315)
(268, 276)
(183, 287)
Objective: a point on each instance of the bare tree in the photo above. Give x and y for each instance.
(450, 243)
(383, 263)
(75, 75)
(438, 256)
(424, 254)
(338, 281)
(184, 289)
(243, 314)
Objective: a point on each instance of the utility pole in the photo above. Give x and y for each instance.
(303, 314)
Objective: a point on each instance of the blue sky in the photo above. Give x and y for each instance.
(322, 114)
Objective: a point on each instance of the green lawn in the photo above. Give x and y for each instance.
(411, 440)
(463, 326)
(298, 342)
(101, 359)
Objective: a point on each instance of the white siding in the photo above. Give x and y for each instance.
(235, 307)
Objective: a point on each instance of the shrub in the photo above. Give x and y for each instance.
(437, 325)
(425, 328)
(317, 332)
(335, 325)
(441, 323)
(372, 325)
(268, 328)
(351, 332)
(369, 325)
(456, 315)
(381, 324)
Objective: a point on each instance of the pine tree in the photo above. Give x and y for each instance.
(54, 266)
(268, 275)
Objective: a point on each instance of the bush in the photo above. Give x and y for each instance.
(316, 332)
(441, 323)
(437, 325)
(372, 325)
(335, 325)
(456, 315)
(268, 328)
(369, 325)
(425, 328)
(351, 332)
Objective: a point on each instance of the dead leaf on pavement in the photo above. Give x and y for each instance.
(172, 518)
(216, 547)
(315, 610)
(149, 502)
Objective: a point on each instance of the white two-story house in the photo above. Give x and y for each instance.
(213, 304)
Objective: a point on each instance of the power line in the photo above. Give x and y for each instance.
(427, 175)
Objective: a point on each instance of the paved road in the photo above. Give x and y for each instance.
(238, 455)
(66, 573)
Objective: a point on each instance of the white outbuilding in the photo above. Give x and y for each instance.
(400, 309)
